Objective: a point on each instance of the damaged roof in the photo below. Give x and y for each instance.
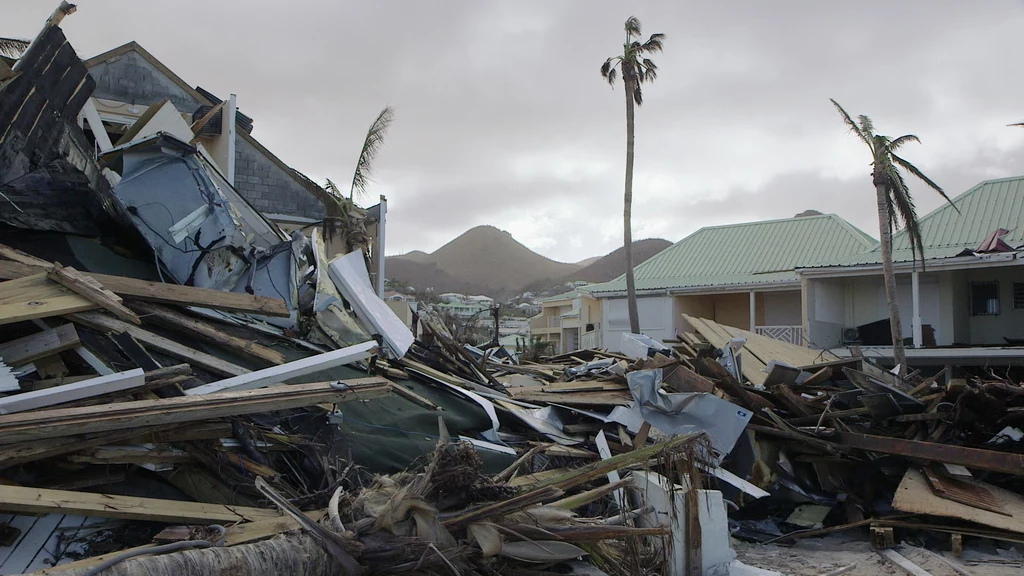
(946, 233)
(749, 253)
(13, 48)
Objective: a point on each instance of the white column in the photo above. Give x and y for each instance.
(92, 116)
(229, 119)
(381, 226)
(753, 314)
(916, 297)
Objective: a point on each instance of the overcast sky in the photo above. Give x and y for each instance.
(503, 118)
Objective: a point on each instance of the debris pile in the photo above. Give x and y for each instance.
(187, 388)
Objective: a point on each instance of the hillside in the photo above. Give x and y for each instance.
(484, 260)
(613, 264)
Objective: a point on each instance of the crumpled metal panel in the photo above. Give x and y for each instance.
(202, 232)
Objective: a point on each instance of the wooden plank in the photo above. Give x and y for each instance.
(39, 345)
(73, 391)
(165, 293)
(41, 501)
(173, 319)
(278, 374)
(88, 287)
(103, 323)
(605, 398)
(23, 257)
(975, 458)
(56, 423)
(32, 544)
(903, 564)
(38, 297)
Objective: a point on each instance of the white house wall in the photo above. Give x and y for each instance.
(656, 319)
(1009, 322)
(782, 308)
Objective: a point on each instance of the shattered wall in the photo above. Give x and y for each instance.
(46, 167)
(128, 76)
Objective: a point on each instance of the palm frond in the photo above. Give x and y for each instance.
(332, 188)
(638, 95)
(654, 44)
(917, 172)
(633, 27)
(650, 70)
(371, 147)
(866, 125)
(1017, 124)
(898, 143)
(609, 71)
(852, 125)
(900, 198)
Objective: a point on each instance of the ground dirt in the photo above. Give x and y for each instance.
(819, 556)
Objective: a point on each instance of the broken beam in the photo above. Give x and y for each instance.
(278, 374)
(976, 458)
(39, 345)
(162, 292)
(23, 500)
(56, 423)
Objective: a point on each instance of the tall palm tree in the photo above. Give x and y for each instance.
(895, 206)
(636, 69)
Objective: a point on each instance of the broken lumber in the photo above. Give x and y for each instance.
(20, 499)
(103, 323)
(165, 293)
(73, 391)
(37, 296)
(39, 345)
(976, 458)
(56, 423)
(88, 287)
(278, 374)
(173, 319)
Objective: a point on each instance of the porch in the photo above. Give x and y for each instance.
(958, 302)
(772, 313)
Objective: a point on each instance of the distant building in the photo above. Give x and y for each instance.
(451, 297)
(570, 321)
(463, 309)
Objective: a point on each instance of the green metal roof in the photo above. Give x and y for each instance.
(751, 253)
(946, 233)
(571, 295)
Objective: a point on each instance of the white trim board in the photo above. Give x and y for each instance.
(116, 382)
(282, 372)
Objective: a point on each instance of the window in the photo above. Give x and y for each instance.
(1018, 296)
(984, 298)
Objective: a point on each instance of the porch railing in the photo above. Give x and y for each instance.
(791, 334)
(590, 339)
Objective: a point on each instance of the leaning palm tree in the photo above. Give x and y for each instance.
(636, 69)
(895, 205)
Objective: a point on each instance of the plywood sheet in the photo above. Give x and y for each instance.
(37, 296)
(914, 495)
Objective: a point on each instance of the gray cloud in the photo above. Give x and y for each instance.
(502, 118)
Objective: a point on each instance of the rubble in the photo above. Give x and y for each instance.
(194, 374)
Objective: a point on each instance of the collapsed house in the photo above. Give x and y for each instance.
(193, 386)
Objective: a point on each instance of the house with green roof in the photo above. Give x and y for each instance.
(968, 290)
(742, 275)
(569, 321)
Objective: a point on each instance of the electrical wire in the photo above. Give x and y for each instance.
(172, 547)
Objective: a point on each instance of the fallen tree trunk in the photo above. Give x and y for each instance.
(286, 555)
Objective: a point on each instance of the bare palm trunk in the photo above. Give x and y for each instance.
(627, 211)
(898, 354)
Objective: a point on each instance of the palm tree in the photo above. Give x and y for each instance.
(372, 144)
(336, 206)
(895, 206)
(636, 69)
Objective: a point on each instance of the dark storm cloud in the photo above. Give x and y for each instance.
(503, 119)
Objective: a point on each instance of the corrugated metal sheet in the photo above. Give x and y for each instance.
(946, 233)
(13, 48)
(749, 253)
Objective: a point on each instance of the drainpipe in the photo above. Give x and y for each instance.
(753, 312)
(229, 119)
(916, 297)
(379, 251)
